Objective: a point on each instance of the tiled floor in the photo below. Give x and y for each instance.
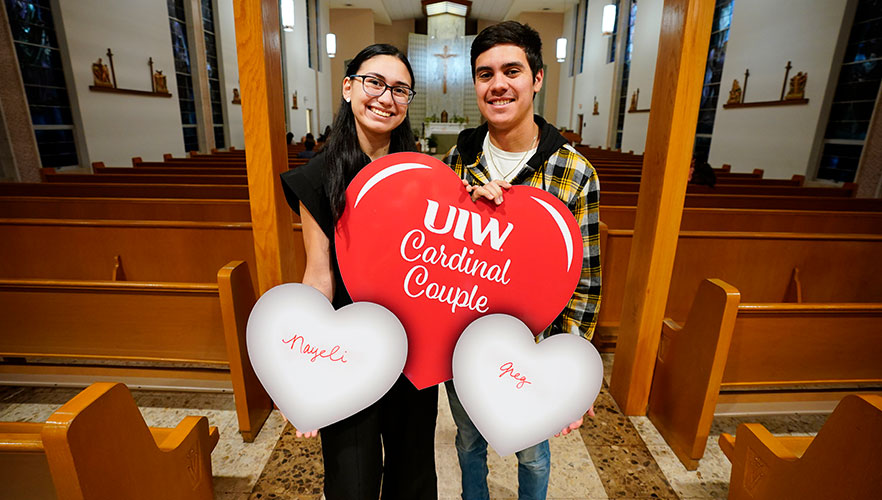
(611, 457)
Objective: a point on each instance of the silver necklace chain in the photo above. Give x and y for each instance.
(505, 176)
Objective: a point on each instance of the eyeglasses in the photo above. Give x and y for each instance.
(375, 87)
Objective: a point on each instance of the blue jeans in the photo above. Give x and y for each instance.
(534, 463)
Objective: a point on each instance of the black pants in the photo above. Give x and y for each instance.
(401, 423)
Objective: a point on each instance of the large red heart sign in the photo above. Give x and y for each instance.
(412, 240)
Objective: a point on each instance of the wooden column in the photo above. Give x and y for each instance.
(259, 53)
(682, 55)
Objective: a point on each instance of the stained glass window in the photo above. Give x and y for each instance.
(855, 95)
(39, 59)
(713, 72)
(626, 70)
(214, 87)
(183, 73)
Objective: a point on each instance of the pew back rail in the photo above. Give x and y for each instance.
(728, 345)
(842, 461)
(163, 323)
(97, 446)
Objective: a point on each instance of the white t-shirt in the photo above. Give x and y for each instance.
(503, 164)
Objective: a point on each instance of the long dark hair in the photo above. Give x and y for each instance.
(343, 155)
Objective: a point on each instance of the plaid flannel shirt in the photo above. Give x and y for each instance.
(560, 170)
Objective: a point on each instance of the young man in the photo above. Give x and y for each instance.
(515, 146)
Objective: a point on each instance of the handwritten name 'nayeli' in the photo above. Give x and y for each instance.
(413, 248)
(314, 351)
(507, 368)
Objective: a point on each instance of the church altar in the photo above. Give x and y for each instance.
(439, 128)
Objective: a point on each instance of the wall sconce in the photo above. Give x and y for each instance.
(287, 8)
(561, 49)
(608, 25)
(331, 44)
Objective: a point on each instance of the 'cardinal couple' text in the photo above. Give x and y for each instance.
(414, 248)
(314, 352)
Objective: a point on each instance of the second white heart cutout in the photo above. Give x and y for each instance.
(519, 393)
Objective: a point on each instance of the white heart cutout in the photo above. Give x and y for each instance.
(320, 365)
(519, 393)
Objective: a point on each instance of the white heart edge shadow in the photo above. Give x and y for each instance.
(507, 419)
(314, 395)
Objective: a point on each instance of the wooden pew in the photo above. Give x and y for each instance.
(205, 161)
(843, 461)
(92, 190)
(757, 220)
(205, 171)
(756, 201)
(615, 177)
(847, 191)
(756, 175)
(200, 325)
(153, 209)
(174, 251)
(839, 268)
(131, 178)
(606, 175)
(616, 217)
(181, 163)
(729, 345)
(98, 447)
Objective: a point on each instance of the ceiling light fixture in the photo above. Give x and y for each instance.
(287, 8)
(457, 8)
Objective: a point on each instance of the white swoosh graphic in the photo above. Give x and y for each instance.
(562, 225)
(382, 174)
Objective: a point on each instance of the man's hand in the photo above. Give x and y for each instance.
(492, 190)
(575, 425)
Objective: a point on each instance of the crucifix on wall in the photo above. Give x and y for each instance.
(446, 55)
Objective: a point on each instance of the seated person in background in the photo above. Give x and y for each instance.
(700, 172)
(309, 144)
(325, 134)
(289, 137)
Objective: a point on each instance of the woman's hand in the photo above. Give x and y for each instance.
(307, 434)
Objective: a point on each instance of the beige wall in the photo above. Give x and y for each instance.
(550, 26)
(483, 23)
(355, 30)
(395, 33)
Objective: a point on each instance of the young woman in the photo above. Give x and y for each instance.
(371, 122)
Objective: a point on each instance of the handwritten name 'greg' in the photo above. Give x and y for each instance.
(507, 368)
